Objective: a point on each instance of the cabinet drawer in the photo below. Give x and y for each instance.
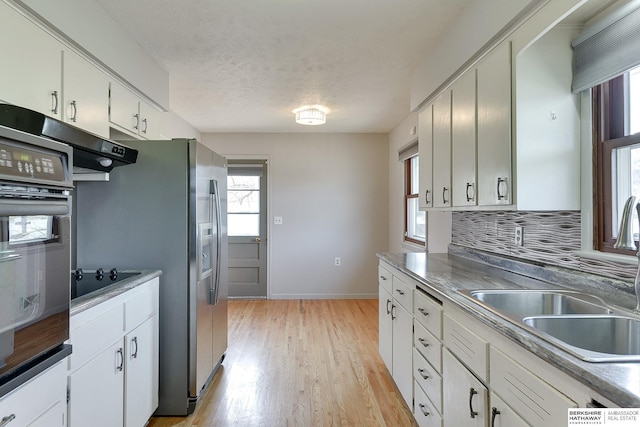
(385, 279)
(424, 412)
(428, 345)
(467, 346)
(428, 312)
(36, 397)
(428, 379)
(534, 400)
(91, 338)
(403, 293)
(140, 307)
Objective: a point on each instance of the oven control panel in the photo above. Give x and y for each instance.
(18, 161)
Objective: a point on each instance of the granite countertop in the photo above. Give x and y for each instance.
(445, 274)
(94, 298)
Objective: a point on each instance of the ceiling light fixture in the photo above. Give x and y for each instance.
(311, 115)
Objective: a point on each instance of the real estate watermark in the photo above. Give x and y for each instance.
(614, 417)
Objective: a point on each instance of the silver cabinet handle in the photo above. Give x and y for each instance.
(393, 307)
(472, 392)
(137, 117)
(120, 353)
(134, 354)
(470, 186)
(6, 420)
(400, 291)
(426, 197)
(423, 409)
(444, 191)
(423, 342)
(388, 302)
(423, 311)
(54, 99)
(501, 181)
(146, 125)
(74, 107)
(383, 278)
(494, 413)
(422, 374)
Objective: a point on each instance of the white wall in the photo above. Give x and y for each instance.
(332, 192)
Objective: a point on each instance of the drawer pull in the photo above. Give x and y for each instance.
(400, 291)
(494, 413)
(423, 342)
(6, 420)
(422, 374)
(472, 392)
(423, 408)
(423, 311)
(383, 278)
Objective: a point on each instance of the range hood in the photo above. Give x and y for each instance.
(90, 151)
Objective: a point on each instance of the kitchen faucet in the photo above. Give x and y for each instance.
(625, 239)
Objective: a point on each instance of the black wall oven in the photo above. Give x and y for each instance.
(35, 255)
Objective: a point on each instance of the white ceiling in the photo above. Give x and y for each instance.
(244, 65)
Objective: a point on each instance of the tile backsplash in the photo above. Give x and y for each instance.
(549, 238)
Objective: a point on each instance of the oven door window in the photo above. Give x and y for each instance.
(30, 229)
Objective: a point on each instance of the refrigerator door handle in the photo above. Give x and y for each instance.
(216, 210)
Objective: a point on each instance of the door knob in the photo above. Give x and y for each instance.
(258, 240)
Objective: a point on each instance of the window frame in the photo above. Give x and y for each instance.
(609, 107)
(410, 194)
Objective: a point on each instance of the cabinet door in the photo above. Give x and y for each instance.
(403, 351)
(494, 128)
(123, 108)
(425, 151)
(55, 416)
(464, 397)
(31, 74)
(385, 328)
(442, 151)
(141, 375)
(86, 92)
(97, 390)
(463, 140)
(502, 415)
(150, 122)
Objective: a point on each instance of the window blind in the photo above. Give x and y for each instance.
(408, 151)
(608, 48)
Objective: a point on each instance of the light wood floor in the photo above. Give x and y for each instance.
(300, 363)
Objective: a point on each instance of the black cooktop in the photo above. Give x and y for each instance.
(85, 282)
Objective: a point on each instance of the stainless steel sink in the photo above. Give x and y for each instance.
(525, 303)
(593, 338)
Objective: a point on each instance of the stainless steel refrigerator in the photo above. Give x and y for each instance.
(168, 212)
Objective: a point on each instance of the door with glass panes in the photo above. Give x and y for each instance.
(247, 228)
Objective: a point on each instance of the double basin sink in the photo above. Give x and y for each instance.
(580, 324)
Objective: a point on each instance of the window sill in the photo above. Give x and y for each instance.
(605, 256)
(413, 247)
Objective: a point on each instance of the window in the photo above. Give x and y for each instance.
(616, 130)
(243, 194)
(415, 220)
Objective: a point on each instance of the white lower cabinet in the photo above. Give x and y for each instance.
(40, 402)
(502, 415)
(113, 371)
(465, 398)
(385, 328)
(424, 412)
(402, 351)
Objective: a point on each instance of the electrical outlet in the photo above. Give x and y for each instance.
(337, 261)
(518, 237)
(277, 220)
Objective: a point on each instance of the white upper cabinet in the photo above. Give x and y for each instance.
(547, 125)
(442, 151)
(494, 128)
(425, 149)
(463, 140)
(31, 72)
(129, 113)
(86, 91)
